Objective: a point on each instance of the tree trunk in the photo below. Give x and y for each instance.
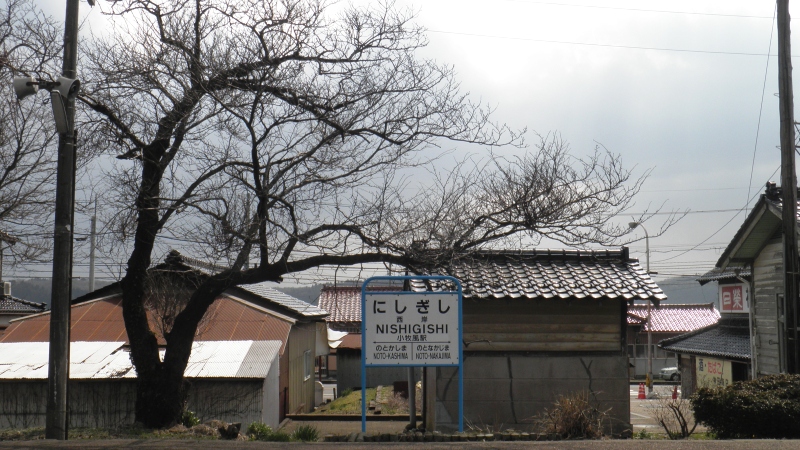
(160, 398)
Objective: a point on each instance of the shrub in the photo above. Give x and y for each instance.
(280, 436)
(675, 417)
(262, 432)
(306, 433)
(259, 431)
(189, 419)
(767, 407)
(573, 416)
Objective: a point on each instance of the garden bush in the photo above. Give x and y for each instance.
(189, 419)
(259, 431)
(767, 407)
(306, 433)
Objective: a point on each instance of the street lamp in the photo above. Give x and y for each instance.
(633, 225)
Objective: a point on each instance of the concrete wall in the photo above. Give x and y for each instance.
(348, 372)
(510, 389)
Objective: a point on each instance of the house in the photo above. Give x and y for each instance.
(538, 324)
(751, 283)
(718, 354)
(12, 307)
(254, 312)
(666, 321)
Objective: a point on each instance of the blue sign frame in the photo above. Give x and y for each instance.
(460, 364)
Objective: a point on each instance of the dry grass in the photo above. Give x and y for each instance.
(573, 416)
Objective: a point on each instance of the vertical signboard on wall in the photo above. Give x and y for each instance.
(713, 372)
(733, 298)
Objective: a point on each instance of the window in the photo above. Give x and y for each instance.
(307, 364)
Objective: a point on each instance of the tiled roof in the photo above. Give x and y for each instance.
(545, 274)
(729, 338)
(15, 305)
(101, 321)
(265, 290)
(730, 273)
(671, 318)
(344, 302)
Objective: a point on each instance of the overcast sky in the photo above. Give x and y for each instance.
(674, 86)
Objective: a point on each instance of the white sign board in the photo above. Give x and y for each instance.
(411, 329)
(713, 372)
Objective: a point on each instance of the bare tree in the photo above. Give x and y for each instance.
(28, 47)
(283, 131)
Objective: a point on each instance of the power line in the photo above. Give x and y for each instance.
(761, 106)
(693, 13)
(589, 44)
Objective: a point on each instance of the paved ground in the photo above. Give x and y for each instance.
(593, 445)
(642, 410)
(641, 419)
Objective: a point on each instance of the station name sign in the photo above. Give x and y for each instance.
(411, 329)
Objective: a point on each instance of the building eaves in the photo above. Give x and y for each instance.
(731, 273)
(760, 225)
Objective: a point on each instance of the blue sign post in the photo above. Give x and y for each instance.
(411, 329)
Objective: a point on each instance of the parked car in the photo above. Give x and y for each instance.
(670, 373)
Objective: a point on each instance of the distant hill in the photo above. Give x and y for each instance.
(678, 290)
(688, 290)
(38, 290)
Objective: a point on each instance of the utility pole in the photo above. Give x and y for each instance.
(56, 421)
(92, 246)
(789, 186)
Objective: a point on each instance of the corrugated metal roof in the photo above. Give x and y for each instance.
(101, 320)
(102, 360)
(545, 274)
(265, 290)
(729, 338)
(674, 318)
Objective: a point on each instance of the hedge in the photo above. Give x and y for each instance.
(767, 407)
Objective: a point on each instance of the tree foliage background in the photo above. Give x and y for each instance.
(29, 46)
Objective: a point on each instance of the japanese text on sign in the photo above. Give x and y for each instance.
(411, 329)
(733, 298)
